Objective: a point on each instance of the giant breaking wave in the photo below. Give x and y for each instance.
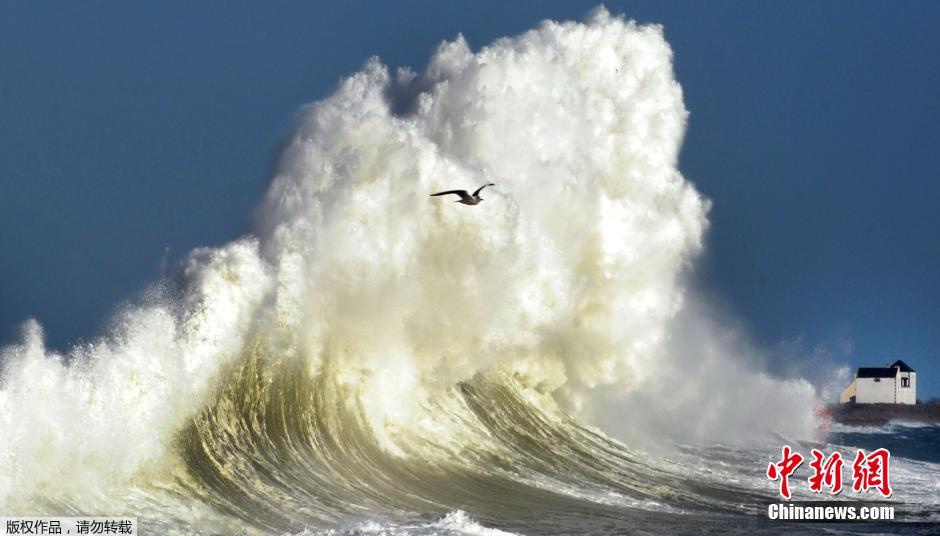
(372, 352)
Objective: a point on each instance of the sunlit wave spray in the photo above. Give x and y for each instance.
(370, 350)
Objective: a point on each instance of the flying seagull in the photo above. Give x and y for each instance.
(466, 198)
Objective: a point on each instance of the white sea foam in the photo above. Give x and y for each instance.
(567, 276)
(456, 523)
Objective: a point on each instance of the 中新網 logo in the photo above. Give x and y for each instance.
(869, 471)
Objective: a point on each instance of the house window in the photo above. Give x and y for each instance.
(905, 382)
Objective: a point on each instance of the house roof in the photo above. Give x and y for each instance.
(876, 372)
(903, 366)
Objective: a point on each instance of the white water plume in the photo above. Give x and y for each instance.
(567, 276)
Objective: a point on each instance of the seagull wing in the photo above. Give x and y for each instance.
(462, 193)
(476, 193)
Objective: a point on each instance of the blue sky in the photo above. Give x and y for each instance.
(127, 131)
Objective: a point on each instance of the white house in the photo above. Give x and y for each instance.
(891, 384)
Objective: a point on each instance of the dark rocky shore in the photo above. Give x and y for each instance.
(878, 414)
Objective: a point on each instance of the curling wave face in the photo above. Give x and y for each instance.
(370, 351)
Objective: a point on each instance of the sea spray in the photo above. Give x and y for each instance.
(568, 271)
(80, 425)
(370, 350)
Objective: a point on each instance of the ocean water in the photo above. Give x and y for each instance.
(712, 490)
(371, 360)
(910, 440)
(732, 489)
